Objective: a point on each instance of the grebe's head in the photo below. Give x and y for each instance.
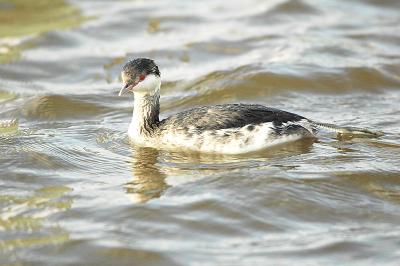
(141, 76)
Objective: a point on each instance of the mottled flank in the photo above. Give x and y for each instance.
(229, 128)
(250, 127)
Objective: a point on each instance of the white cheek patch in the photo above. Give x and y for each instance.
(150, 84)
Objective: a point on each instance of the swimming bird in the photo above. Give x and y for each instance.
(226, 128)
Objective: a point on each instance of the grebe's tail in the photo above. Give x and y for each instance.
(355, 131)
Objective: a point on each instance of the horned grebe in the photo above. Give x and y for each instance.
(227, 128)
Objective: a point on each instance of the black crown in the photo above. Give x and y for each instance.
(141, 65)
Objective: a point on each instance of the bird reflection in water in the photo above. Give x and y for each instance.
(148, 181)
(154, 171)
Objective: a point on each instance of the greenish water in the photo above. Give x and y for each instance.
(75, 192)
(29, 18)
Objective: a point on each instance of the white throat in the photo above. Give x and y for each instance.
(146, 108)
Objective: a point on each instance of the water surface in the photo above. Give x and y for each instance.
(74, 192)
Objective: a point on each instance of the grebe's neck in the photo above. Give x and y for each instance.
(146, 109)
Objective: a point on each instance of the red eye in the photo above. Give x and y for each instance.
(141, 77)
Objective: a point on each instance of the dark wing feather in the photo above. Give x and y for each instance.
(228, 116)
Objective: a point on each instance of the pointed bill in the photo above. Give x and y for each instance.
(124, 89)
